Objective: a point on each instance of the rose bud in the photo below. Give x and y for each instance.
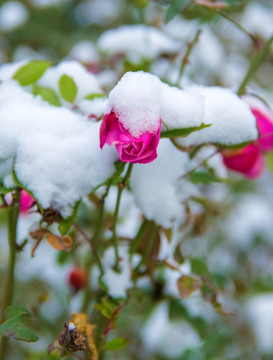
(248, 161)
(26, 201)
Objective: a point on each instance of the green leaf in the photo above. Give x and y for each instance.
(115, 344)
(94, 96)
(182, 132)
(31, 72)
(104, 311)
(174, 9)
(47, 94)
(269, 160)
(233, 147)
(15, 324)
(106, 308)
(65, 224)
(202, 177)
(187, 285)
(68, 88)
(199, 267)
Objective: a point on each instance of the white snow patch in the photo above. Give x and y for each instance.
(118, 282)
(141, 39)
(170, 338)
(258, 20)
(57, 151)
(12, 15)
(231, 119)
(135, 100)
(94, 107)
(155, 185)
(181, 108)
(259, 310)
(84, 51)
(251, 217)
(8, 70)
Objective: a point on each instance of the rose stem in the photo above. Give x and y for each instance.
(95, 247)
(255, 63)
(148, 249)
(225, 16)
(11, 213)
(185, 59)
(200, 164)
(121, 187)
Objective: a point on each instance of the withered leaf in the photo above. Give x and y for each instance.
(37, 235)
(187, 285)
(60, 242)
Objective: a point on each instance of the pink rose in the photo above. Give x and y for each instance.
(26, 202)
(132, 149)
(264, 121)
(248, 161)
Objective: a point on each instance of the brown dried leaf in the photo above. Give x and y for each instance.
(187, 285)
(60, 242)
(37, 235)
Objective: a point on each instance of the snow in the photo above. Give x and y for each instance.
(251, 217)
(84, 51)
(155, 185)
(86, 82)
(144, 40)
(12, 15)
(172, 276)
(257, 104)
(181, 108)
(258, 20)
(231, 119)
(8, 70)
(57, 154)
(259, 310)
(135, 100)
(97, 12)
(117, 282)
(94, 107)
(170, 338)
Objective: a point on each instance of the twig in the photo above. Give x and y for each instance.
(185, 59)
(12, 213)
(148, 249)
(239, 26)
(121, 187)
(255, 63)
(200, 164)
(91, 243)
